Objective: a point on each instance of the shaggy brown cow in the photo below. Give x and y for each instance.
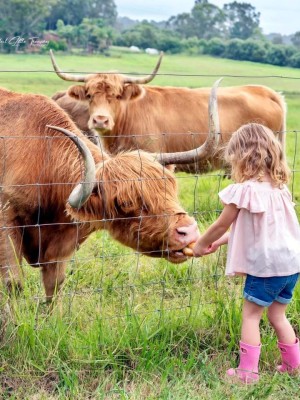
(129, 115)
(131, 195)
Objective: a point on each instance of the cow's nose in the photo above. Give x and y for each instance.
(188, 234)
(101, 121)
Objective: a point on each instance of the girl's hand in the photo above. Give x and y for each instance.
(212, 248)
(217, 234)
(199, 250)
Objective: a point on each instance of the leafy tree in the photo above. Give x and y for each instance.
(207, 20)
(91, 35)
(142, 35)
(194, 45)
(146, 35)
(56, 45)
(295, 60)
(253, 51)
(72, 12)
(237, 49)
(95, 35)
(22, 18)
(242, 19)
(69, 33)
(296, 39)
(127, 38)
(276, 55)
(103, 9)
(169, 43)
(290, 50)
(182, 24)
(234, 49)
(215, 47)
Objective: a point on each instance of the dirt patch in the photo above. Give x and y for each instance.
(9, 385)
(49, 382)
(16, 386)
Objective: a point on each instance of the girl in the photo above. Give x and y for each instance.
(264, 243)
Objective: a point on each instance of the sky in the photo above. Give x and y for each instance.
(277, 16)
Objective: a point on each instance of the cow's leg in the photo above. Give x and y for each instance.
(10, 259)
(53, 275)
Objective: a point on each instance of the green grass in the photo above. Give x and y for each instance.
(131, 327)
(185, 67)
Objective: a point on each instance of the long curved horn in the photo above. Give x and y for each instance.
(83, 190)
(145, 79)
(208, 147)
(82, 78)
(66, 76)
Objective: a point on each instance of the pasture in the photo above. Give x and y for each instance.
(127, 326)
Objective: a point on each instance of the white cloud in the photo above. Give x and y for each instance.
(153, 9)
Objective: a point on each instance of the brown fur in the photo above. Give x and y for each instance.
(135, 198)
(169, 119)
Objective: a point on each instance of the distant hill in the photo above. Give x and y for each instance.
(124, 23)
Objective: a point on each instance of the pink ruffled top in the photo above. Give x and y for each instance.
(264, 239)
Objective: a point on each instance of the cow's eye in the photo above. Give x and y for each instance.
(125, 208)
(126, 205)
(88, 96)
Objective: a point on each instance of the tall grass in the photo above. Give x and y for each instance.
(131, 327)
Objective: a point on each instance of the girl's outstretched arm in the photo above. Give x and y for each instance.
(216, 232)
(215, 245)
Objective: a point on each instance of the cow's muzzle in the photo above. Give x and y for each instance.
(101, 123)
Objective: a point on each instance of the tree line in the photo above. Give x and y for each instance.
(232, 31)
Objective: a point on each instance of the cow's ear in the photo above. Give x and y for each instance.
(132, 91)
(77, 92)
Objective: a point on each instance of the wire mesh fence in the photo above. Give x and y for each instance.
(106, 279)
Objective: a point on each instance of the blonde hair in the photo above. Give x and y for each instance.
(254, 152)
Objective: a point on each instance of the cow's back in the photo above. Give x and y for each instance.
(253, 103)
(170, 119)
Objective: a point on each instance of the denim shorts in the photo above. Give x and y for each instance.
(263, 291)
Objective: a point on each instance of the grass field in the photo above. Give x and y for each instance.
(131, 327)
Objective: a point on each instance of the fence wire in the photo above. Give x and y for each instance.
(110, 281)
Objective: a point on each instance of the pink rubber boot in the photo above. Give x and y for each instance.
(247, 371)
(290, 355)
